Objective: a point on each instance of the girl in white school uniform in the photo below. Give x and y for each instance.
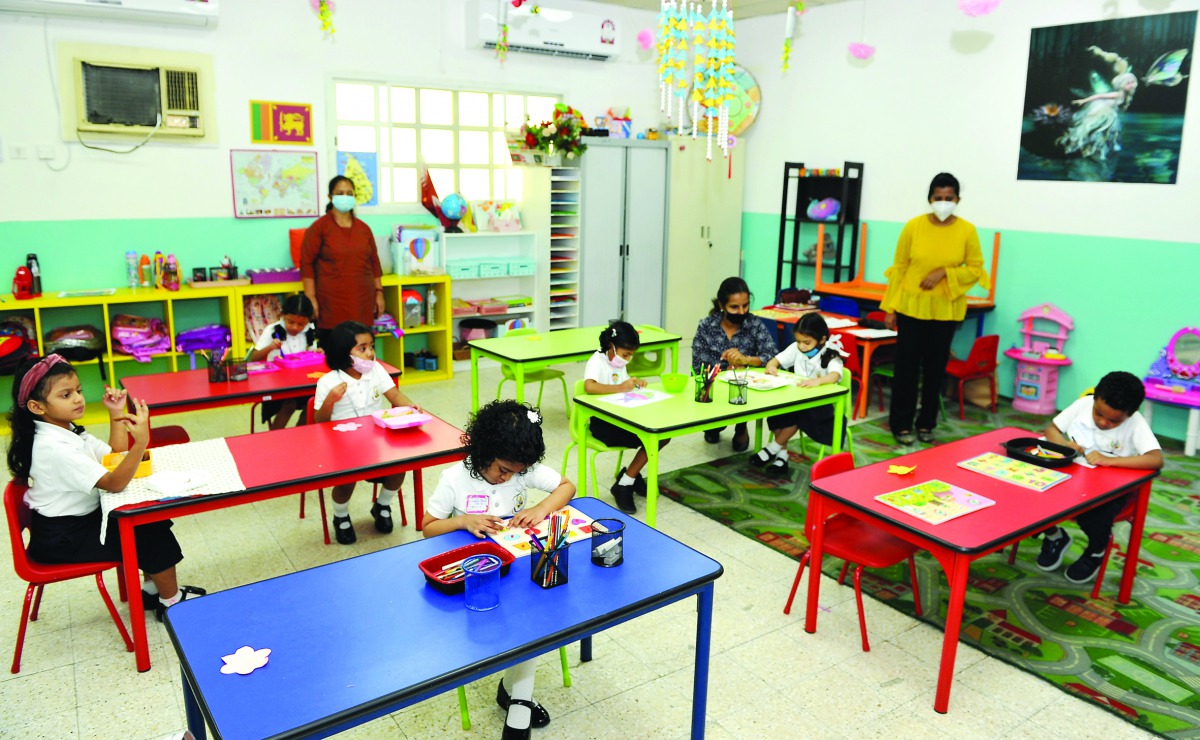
(293, 333)
(357, 386)
(61, 463)
(817, 359)
(504, 452)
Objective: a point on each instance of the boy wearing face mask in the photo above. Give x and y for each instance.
(606, 373)
(937, 261)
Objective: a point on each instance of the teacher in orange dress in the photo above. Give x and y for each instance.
(340, 265)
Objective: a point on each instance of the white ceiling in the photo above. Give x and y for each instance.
(741, 8)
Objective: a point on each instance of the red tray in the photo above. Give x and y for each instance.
(431, 566)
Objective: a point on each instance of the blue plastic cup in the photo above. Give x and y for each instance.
(482, 584)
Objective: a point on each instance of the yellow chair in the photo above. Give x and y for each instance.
(594, 446)
(848, 443)
(537, 376)
(648, 362)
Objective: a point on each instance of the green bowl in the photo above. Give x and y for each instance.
(674, 382)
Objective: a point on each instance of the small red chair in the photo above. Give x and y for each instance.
(38, 576)
(980, 363)
(309, 415)
(854, 541)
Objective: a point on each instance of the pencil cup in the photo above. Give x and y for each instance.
(217, 372)
(549, 569)
(608, 542)
(236, 370)
(737, 392)
(703, 391)
(482, 582)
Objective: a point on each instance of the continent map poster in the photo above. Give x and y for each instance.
(274, 184)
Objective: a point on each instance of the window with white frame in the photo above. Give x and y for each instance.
(458, 134)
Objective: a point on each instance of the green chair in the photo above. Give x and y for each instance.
(648, 362)
(462, 691)
(846, 382)
(594, 446)
(537, 376)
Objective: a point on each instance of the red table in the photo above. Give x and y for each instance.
(340, 457)
(189, 390)
(1018, 513)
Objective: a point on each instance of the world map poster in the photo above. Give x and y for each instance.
(274, 184)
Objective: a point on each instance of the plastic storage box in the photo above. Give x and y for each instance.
(462, 269)
(493, 268)
(521, 267)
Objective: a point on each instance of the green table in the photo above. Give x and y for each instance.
(681, 414)
(532, 352)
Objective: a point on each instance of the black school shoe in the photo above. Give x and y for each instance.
(1084, 569)
(758, 460)
(712, 436)
(539, 717)
(624, 497)
(778, 466)
(741, 441)
(185, 593)
(1053, 551)
(383, 524)
(639, 482)
(345, 535)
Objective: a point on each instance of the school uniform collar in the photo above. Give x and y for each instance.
(45, 427)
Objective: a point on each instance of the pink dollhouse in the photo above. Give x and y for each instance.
(1045, 330)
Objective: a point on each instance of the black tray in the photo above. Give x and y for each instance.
(1018, 448)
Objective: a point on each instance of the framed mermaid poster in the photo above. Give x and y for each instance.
(1105, 101)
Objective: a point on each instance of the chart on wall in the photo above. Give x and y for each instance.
(1105, 101)
(274, 184)
(363, 170)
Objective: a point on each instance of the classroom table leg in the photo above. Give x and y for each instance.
(816, 504)
(581, 449)
(1133, 550)
(650, 444)
(191, 711)
(758, 434)
(474, 379)
(585, 649)
(839, 418)
(1193, 432)
(864, 395)
(960, 565)
(674, 357)
(133, 587)
(519, 373)
(703, 644)
(419, 496)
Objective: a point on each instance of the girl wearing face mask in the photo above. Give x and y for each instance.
(816, 359)
(357, 386)
(606, 373)
(937, 261)
(733, 337)
(339, 264)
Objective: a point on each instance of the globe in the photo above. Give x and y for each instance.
(454, 206)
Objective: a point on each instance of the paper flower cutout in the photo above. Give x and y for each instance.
(861, 51)
(349, 426)
(245, 660)
(645, 39)
(975, 8)
(901, 469)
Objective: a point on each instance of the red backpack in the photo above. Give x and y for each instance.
(13, 352)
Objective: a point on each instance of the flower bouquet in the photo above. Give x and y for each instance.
(560, 136)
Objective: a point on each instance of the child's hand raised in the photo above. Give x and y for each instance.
(338, 391)
(481, 525)
(138, 423)
(114, 401)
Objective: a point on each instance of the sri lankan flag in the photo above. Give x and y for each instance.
(280, 123)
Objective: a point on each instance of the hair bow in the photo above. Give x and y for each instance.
(533, 417)
(835, 343)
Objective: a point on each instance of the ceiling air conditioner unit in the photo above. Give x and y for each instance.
(202, 13)
(550, 31)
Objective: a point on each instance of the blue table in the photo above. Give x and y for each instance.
(327, 672)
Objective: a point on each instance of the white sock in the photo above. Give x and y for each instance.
(149, 587)
(764, 455)
(773, 447)
(341, 509)
(518, 680)
(178, 597)
(782, 454)
(1053, 534)
(386, 497)
(625, 480)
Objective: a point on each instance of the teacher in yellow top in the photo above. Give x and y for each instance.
(937, 261)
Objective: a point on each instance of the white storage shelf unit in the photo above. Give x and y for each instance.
(500, 247)
(564, 247)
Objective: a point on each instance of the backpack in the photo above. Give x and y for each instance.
(76, 343)
(259, 312)
(13, 352)
(386, 324)
(139, 337)
(21, 327)
(211, 337)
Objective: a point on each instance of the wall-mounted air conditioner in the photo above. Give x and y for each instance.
(137, 99)
(556, 32)
(202, 13)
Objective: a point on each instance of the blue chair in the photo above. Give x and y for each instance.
(838, 304)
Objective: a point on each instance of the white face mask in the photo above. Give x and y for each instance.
(361, 366)
(943, 208)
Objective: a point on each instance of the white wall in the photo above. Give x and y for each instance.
(943, 92)
(271, 50)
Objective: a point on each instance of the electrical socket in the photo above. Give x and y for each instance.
(19, 151)
(46, 152)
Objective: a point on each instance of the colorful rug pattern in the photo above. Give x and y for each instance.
(1141, 660)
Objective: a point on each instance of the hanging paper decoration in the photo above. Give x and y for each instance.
(861, 51)
(324, 10)
(699, 66)
(645, 39)
(975, 8)
(502, 35)
(672, 55)
(793, 10)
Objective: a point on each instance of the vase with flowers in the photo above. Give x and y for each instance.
(560, 138)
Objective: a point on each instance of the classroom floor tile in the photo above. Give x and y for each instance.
(768, 676)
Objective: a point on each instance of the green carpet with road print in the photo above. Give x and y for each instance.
(1141, 660)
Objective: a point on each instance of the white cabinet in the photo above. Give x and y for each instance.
(704, 232)
(489, 248)
(624, 207)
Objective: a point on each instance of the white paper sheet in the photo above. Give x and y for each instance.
(872, 333)
(633, 399)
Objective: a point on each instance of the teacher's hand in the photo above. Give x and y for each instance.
(889, 320)
(933, 278)
(316, 308)
(380, 306)
(734, 357)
